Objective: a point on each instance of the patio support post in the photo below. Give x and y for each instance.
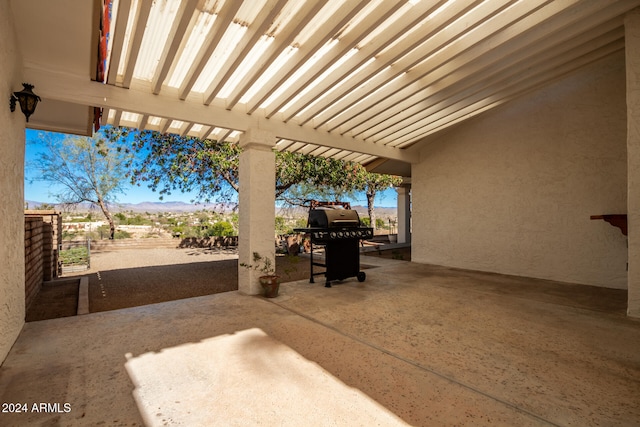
(257, 176)
(632, 48)
(404, 213)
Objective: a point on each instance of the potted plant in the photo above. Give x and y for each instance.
(269, 280)
(393, 237)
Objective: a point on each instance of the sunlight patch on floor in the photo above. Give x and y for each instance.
(247, 378)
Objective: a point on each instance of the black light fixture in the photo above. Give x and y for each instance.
(27, 99)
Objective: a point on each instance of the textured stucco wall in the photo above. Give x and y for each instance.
(256, 206)
(12, 306)
(632, 47)
(512, 191)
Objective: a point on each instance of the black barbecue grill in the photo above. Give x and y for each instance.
(336, 226)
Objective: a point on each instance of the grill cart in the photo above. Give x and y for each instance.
(336, 226)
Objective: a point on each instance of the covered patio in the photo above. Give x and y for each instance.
(414, 344)
(512, 122)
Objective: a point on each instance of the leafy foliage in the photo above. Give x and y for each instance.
(74, 256)
(208, 168)
(222, 228)
(92, 170)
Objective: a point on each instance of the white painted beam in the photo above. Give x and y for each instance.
(142, 15)
(546, 66)
(255, 31)
(177, 37)
(283, 41)
(117, 45)
(536, 32)
(220, 26)
(350, 41)
(80, 90)
(450, 39)
(511, 92)
(317, 40)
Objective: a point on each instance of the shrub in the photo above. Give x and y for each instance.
(222, 228)
(73, 256)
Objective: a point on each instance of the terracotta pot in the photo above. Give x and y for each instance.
(271, 285)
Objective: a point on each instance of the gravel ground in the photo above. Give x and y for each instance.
(134, 277)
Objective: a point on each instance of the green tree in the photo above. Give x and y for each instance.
(167, 162)
(372, 183)
(208, 168)
(221, 228)
(344, 181)
(89, 170)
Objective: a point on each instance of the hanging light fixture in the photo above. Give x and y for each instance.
(27, 99)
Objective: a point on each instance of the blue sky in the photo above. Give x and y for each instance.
(40, 191)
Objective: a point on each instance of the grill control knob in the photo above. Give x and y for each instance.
(332, 234)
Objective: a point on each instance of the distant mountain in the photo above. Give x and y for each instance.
(151, 207)
(173, 207)
(381, 212)
(178, 207)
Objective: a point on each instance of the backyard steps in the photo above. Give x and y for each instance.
(163, 242)
(149, 243)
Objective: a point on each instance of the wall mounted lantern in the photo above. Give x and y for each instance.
(27, 99)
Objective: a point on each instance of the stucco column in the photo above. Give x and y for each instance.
(404, 213)
(632, 49)
(257, 199)
(12, 273)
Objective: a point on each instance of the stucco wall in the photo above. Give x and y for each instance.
(12, 305)
(512, 191)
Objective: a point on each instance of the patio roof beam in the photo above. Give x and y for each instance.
(282, 41)
(122, 16)
(144, 8)
(513, 90)
(80, 90)
(410, 52)
(479, 67)
(310, 48)
(360, 58)
(260, 25)
(473, 55)
(546, 64)
(348, 42)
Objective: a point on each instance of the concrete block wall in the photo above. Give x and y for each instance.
(52, 239)
(33, 257)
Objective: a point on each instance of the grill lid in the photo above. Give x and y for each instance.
(332, 218)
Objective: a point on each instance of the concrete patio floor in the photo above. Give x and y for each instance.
(415, 344)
